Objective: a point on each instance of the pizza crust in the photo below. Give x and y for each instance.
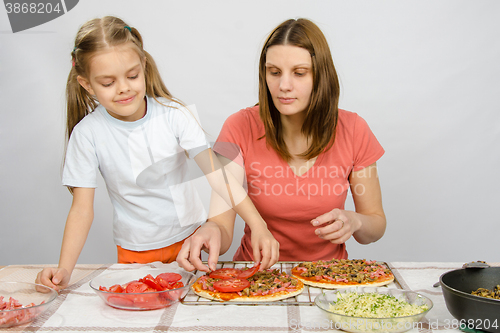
(234, 297)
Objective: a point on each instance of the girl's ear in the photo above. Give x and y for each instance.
(85, 84)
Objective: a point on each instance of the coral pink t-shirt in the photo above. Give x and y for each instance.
(288, 202)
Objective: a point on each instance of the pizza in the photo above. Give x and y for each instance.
(343, 273)
(247, 285)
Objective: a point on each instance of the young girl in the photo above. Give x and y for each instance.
(301, 154)
(122, 121)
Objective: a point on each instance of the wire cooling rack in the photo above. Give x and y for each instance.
(306, 298)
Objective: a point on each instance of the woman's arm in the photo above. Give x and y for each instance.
(367, 196)
(78, 223)
(367, 224)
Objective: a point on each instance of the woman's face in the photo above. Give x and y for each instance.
(289, 78)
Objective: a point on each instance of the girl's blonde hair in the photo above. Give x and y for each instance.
(322, 113)
(94, 36)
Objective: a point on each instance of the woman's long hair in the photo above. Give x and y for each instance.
(322, 113)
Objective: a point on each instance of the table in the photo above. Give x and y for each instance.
(78, 308)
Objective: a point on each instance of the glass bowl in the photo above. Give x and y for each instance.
(25, 294)
(363, 324)
(140, 300)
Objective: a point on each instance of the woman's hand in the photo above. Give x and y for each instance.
(208, 238)
(55, 278)
(335, 226)
(367, 224)
(263, 243)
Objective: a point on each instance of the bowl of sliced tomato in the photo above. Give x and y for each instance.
(143, 289)
(22, 302)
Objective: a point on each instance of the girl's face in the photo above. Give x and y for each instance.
(116, 78)
(289, 78)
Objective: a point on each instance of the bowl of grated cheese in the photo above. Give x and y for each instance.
(374, 309)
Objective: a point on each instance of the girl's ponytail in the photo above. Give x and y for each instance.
(78, 102)
(154, 83)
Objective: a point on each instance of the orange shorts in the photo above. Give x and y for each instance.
(166, 255)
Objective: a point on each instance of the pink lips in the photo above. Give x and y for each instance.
(284, 100)
(125, 101)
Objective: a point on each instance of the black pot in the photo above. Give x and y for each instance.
(473, 311)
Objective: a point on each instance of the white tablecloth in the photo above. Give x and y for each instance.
(79, 309)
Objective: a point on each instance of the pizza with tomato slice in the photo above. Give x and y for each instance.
(247, 285)
(343, 273)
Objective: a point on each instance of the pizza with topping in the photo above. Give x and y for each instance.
(247, 285)
(343, 273)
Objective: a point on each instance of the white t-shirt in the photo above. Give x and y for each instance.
(145, 168)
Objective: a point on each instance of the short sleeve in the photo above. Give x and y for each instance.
(188, 130)
(81, 163)
(233, 138)
(367, 149)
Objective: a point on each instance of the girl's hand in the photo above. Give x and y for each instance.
(208, 238)
(335, 226)
(264, 243)
(55, 278)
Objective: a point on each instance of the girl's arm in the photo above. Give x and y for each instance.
(228, 198)
(367, 224)
(78, 223)
(214, 236)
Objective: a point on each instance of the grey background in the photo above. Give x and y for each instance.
(424, 74)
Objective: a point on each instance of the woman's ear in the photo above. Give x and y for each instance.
(85, 84)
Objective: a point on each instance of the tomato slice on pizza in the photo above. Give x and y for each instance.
(265, 286)
(225, 273)
(231, 285)
(249, 272)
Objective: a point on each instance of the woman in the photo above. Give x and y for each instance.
(300, 155)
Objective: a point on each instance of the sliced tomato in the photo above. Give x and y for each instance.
(120, 301)
(148, 301)
(166, 279)
(170, 277)
(224, 273)
(136, 287)
(151, 282)
(101, 288)
(176, 285)
(171, 295)
(249, 272)
(231, 285)
(116, 289)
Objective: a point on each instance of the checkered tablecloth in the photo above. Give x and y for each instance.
(79, 309)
